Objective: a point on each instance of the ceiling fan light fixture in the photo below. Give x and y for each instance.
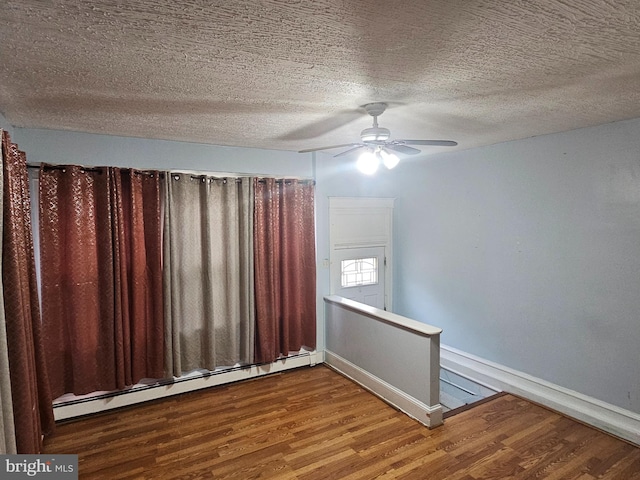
(368, 163)
(389, 159)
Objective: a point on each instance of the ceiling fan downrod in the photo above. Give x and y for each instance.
(375, 133)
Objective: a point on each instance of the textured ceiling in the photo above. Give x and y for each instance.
(291, 74)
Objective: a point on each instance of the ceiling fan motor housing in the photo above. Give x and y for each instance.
(375, 134)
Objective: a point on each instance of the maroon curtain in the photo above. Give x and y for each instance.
(33, 413)
(138, 261)
(101, 277)
(285, 267)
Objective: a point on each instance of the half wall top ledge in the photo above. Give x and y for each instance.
(385, 316)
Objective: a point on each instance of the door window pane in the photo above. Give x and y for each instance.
(359, 271)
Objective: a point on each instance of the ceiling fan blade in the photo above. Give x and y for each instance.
(434, 143)
(328, 148)
(402, 148)
(346, 152)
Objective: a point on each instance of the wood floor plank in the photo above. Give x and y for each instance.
(313, 423)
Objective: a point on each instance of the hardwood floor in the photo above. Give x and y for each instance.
(312, 423)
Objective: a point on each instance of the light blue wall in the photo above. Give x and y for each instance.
(526, 253)
(4, 124)
(57, 146)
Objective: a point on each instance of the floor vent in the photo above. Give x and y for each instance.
(458, 392)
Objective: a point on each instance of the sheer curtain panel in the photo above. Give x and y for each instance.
(285, 267)
(100, 269)
(208, 268)
(31, 396)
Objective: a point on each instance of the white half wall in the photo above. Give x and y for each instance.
(394, 357)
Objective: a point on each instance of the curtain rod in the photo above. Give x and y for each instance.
(63, 167)
(199, 173)
(239, 179)
(48, 166)
(90, 169)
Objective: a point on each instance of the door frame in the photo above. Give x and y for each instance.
(360, 222)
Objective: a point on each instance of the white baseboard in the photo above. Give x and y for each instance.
(134, 396)
(429, 415)
(610, 418)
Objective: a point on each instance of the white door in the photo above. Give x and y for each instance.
(359, 274)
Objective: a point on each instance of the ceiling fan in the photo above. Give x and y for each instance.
(378, 148)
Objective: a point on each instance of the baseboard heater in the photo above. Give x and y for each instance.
(96, 403)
